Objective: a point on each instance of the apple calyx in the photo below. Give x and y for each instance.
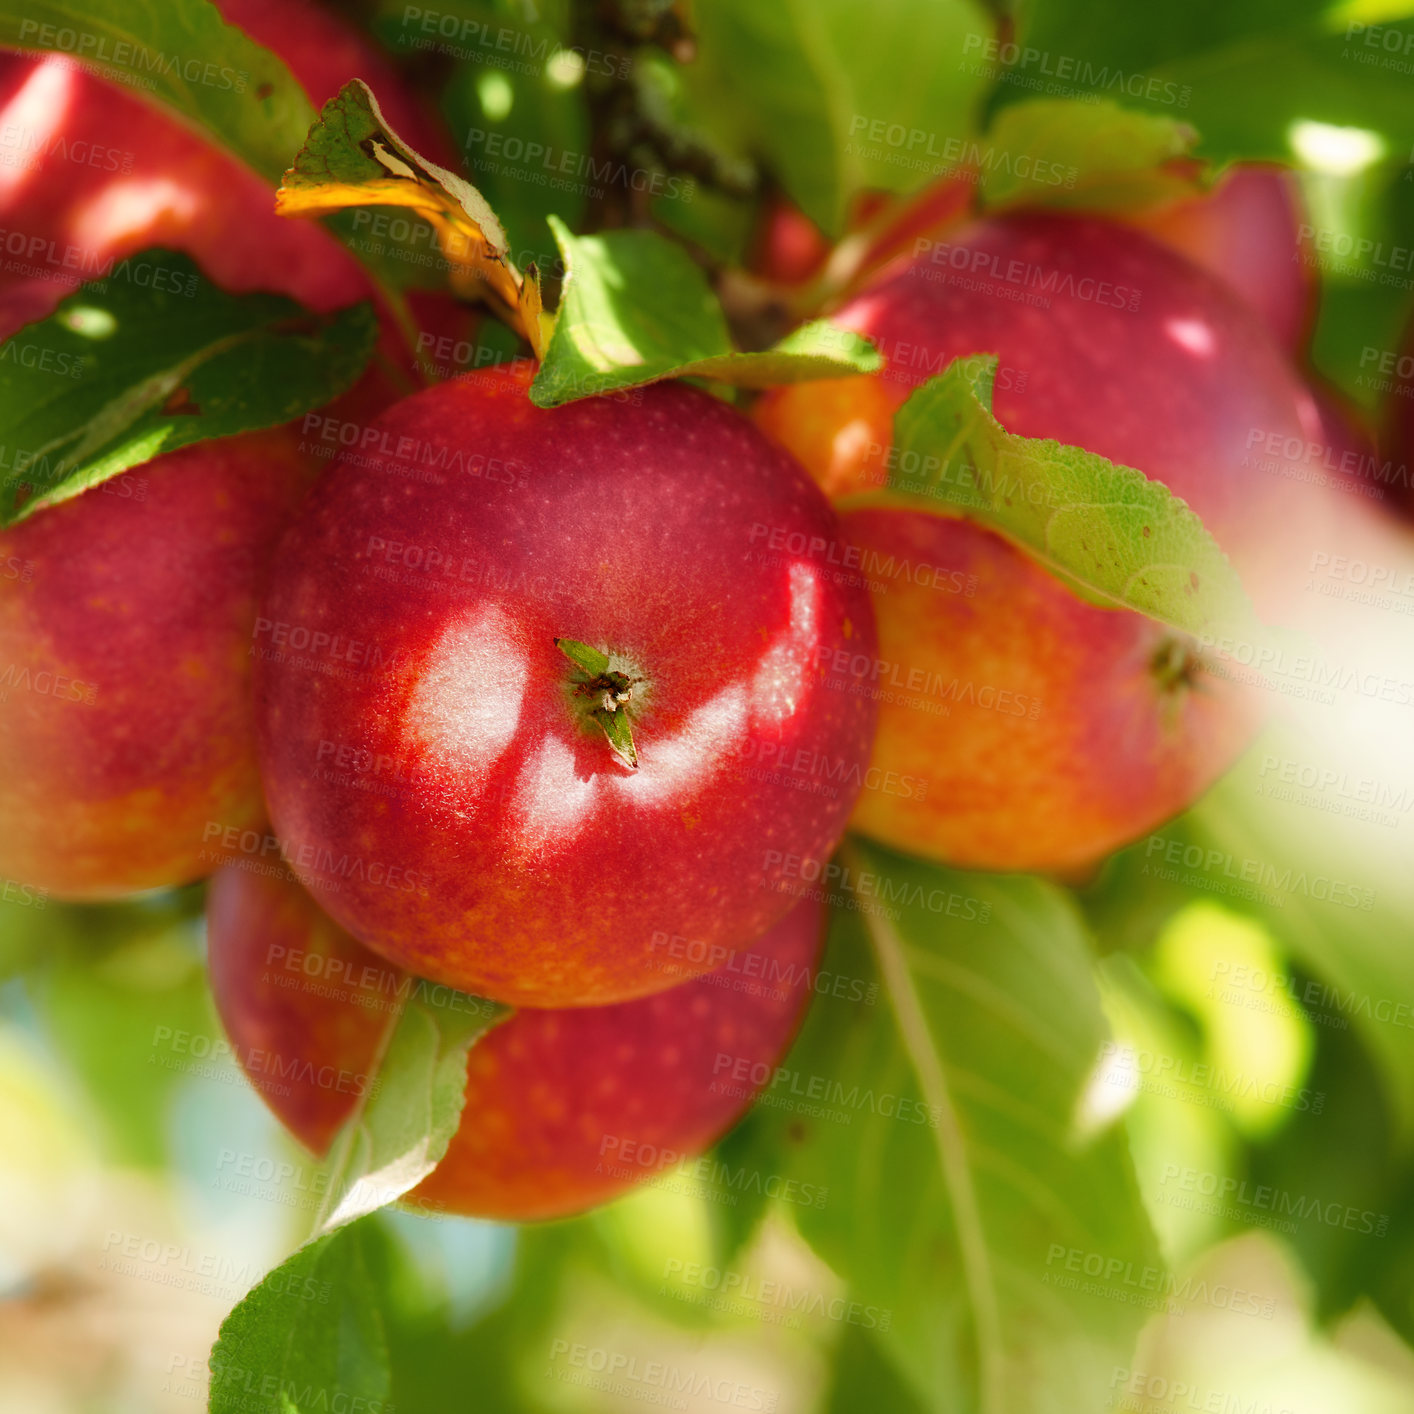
(605, 694)
(1174, 665)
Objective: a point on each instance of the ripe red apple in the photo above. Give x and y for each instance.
(1048, 730)
(564, 1109)
(94, 172)
(1248, 232)
(440, 772)
(125, 615)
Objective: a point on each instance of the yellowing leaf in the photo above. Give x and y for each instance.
(353, 158)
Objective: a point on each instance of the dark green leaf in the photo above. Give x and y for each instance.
(636, 309)
(1242, 74)
(168, 359)
(839, 97)
(185, 55)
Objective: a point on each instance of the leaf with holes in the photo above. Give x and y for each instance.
(974, 1188)
(157, 358)
(352, 158)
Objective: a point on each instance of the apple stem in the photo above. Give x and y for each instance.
(609, 690)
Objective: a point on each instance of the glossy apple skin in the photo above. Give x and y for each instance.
(94, 172)
(1030, 730)
(426, 768)
(1157, 367)
(125, 619)
(565, 1109)
(1247, 232)
(142, 592)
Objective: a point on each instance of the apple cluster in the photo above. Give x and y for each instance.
(562, 709)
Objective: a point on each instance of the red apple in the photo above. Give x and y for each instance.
(439, 771)
(125, 615)
(564, 1109)
(1248, 232)
(1108, 341)
(96, 173)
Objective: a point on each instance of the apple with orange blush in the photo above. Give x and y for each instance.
(126, 613)
(1052, 730)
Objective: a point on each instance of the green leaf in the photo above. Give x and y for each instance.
(309, 1338)
(861, 1378)
(1115, 536)
(965, 1188)
(636, 309)
(1091, 156)
(400, 1131)
(111, 982)
(1333, 888)
(167, 359)
(1242, 74)
(184, 55)
(839, 97)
